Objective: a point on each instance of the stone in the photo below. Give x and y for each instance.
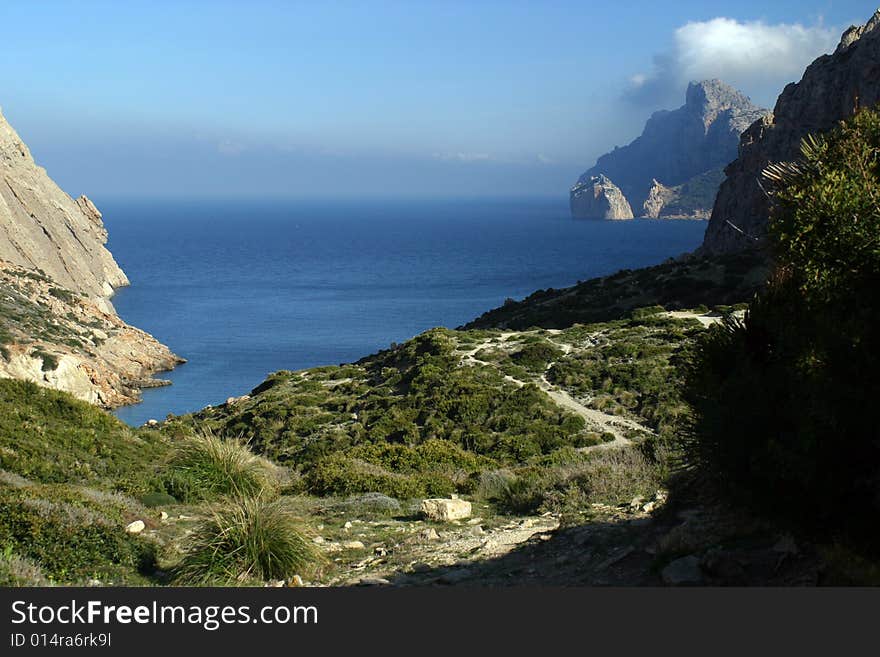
(445, 510)
(373, 581)
(683, 572)
(347, 525)
(135, 527)
(152, 423)
(163, 516)
(429, 534)
(599, 198)
(832, 88)
(295, 582)
(352, 545)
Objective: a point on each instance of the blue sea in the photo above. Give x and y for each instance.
(242, 289)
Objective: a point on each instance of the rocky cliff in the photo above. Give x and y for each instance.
(832, 88)
(678, 146)
(58, 327)
(599, 198)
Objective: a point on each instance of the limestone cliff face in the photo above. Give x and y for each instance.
(599, 198)
(678, 146)
(659, 196)
(57, 325)
(832, 88)
(41, 227)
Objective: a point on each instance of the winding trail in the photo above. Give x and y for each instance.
(605, 422)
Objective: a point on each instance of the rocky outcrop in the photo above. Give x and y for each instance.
(832, 88)
(65, 340)
(43, 228)
(658, 197)
(58, 327)
(599, 198)
(678, 146)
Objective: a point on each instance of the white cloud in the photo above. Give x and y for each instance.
(754, 56)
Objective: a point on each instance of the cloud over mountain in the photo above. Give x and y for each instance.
(752, 55)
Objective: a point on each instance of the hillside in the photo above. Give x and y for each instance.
(58, 327)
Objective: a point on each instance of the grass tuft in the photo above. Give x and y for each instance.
(244, 539)
(205, 466)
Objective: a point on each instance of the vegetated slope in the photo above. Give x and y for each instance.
(439, 413)
(65, 340)
(70, 478)
(675, 284)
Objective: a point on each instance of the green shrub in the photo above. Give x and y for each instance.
(205, 466)
(783, 401)
(48, 436)
(70, 538)
(641, 313)
(339, 474)
(243, 539)
(535, 356)
(17, 571)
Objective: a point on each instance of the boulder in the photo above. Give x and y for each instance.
(135, 527)
(683, 572)
(445, 510)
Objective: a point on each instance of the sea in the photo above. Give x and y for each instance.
(244, 288)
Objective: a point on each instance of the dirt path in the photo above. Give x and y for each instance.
(604, 422)
(706, 319)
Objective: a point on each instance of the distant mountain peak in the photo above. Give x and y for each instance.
(678, 146)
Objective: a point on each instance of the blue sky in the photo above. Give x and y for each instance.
(423, 99)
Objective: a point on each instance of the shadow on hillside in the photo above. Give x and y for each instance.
(705, 547)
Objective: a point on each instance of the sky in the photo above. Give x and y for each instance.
(417, 99)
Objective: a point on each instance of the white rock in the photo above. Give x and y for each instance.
(446, 510)
(163, 516)
(353, 545)
(135, 527)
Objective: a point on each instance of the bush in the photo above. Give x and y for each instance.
(339, 474)
(246, 538)
(783, 400)
(204, 466)
(17, 571)
(71, 538)
(569, 481)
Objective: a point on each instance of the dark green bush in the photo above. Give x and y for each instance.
(783, 401)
